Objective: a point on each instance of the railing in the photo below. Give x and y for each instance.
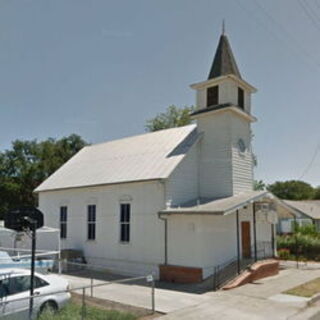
(227, 271)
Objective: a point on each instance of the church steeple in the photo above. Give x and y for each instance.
(224, 118)
(224, 62)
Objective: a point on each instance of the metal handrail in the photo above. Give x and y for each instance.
(224, 272)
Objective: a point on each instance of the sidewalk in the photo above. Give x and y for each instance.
(167, 301)
(261, 300)
(256, 301)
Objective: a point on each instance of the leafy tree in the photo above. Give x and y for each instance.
(317, 193)
(27, 164)
(171, 118)
(292, 190)
(259, 185)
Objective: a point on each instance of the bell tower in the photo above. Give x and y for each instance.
(224, 117)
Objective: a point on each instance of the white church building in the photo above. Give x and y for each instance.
(176, 202)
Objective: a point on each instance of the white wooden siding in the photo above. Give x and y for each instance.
(146, 248)
(242, 164)
(182, 185)
(196, 241)
(215, 161)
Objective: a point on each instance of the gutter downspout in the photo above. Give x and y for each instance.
(165, 224)
(165, 239)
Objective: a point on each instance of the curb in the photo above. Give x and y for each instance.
(314, 299)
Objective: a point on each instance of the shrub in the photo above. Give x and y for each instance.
(300, 244)
(308, 229)
(284, 254)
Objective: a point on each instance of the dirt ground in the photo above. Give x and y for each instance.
(142, 314)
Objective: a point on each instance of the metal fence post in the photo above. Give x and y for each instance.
(91, 286)
(60, 266)
(83, 309)
(214, 279)
(217, 277)
(153, 295)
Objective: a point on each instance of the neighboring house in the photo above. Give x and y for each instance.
(180, 197)
(307, 212)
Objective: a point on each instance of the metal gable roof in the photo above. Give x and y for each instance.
(148, 156)
(221, 206)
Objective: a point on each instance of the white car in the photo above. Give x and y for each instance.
(15, 284)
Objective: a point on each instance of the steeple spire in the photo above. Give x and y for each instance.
(224, 62)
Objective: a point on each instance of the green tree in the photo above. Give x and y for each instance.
(259, 185)
(317, 193)
(27, 164)
(292, 190)
(171, 118)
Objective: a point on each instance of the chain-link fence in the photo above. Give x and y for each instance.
(105, 296)
(90, 286)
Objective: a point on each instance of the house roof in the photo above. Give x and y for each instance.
(224, 62)
(149, 156)
(310, 208)
(220, 206)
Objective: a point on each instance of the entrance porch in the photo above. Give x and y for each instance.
(218, 238)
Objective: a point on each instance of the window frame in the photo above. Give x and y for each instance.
(125, 223)
(91, 222)
(213, 96)
(63, 222)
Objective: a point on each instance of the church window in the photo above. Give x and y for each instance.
(212, 96)
(241, 98)
(125, 213)
(63, 222)
(91, 222)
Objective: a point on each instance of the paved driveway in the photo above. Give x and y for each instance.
(261, 300)
(166, 301)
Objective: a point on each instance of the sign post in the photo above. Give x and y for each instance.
(26, 220)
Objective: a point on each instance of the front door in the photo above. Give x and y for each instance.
(246, 239)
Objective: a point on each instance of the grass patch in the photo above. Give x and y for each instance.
(307, 289)
(73, 312)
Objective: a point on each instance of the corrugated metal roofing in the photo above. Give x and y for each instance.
(148, 156)
(310, 208)
(217, 206)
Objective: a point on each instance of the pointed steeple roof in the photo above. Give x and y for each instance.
(224, 62)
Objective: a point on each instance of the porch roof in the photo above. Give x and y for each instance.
(222, 206)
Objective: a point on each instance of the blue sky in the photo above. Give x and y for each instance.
(102, 68)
